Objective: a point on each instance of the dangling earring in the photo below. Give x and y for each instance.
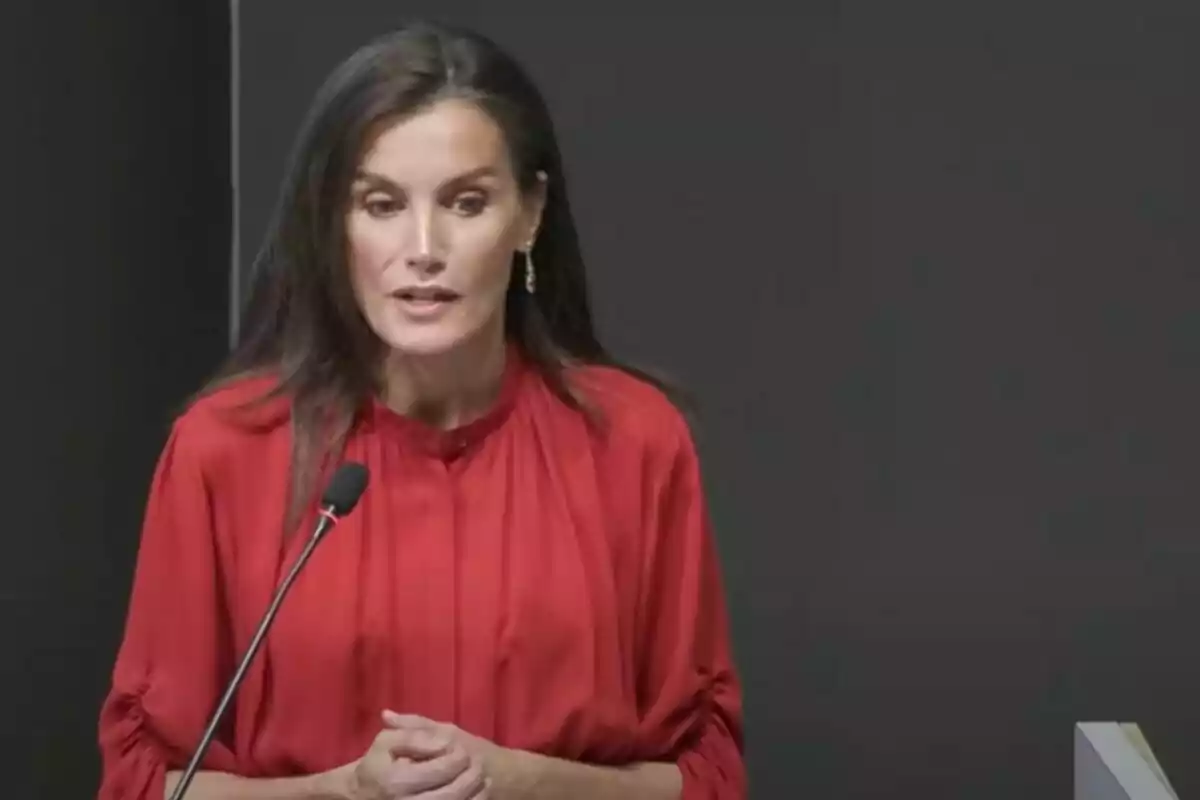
(530, 275)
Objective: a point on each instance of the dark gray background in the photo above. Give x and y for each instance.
(115, 239)
(930, 268)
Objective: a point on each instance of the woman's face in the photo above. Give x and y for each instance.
(435, 218)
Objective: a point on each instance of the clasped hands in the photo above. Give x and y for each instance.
(414, 757)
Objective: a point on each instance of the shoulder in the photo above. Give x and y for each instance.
(633, 412)
(227, 422)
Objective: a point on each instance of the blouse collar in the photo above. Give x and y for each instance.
(452, 442)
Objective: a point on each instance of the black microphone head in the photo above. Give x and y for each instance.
(344, 489)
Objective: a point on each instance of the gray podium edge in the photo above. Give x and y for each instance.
(1109, 767)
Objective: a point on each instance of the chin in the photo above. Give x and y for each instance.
(454, 332)
(425, 345)
(431, 341)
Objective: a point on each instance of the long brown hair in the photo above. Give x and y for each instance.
(301, 323)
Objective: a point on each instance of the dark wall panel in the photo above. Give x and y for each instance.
(116, 222)
(1018, 186)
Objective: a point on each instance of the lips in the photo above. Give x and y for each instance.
(427, 294)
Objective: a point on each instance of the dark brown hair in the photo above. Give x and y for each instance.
(301, 324)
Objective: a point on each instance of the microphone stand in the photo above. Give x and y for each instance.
(328, 520)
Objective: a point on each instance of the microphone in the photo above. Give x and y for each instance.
(340, 498)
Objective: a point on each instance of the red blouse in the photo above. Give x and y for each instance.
(535, 580)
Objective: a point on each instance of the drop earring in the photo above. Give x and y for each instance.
(530, 274)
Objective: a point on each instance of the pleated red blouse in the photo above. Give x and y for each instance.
(533, 578)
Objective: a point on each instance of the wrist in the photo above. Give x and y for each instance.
(512, 772)
(336, 784)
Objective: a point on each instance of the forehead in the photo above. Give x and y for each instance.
(438, 143)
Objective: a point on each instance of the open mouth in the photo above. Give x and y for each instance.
(430, 296)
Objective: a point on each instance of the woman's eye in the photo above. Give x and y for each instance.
(380, 206)
(470, 204)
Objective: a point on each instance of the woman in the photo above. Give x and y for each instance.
(526, 601)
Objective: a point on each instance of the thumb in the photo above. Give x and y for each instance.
(393, 719)
(414, 744)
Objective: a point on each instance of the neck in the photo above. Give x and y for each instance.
(448, 389)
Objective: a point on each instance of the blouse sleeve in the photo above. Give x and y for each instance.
(688, 683)
(168, 669)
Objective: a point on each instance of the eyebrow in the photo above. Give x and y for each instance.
(374, 178)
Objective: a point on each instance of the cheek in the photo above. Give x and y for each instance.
(488, 260)
(370, 251)
(489, 282)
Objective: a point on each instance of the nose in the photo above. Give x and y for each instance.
(426, 256)
(425, 263)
